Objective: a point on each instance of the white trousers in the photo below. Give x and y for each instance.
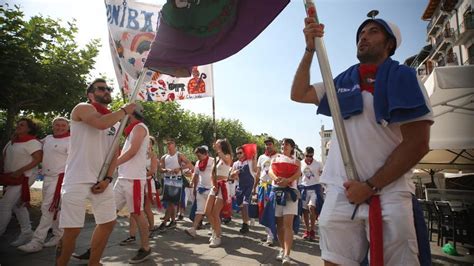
(11, 201)
(46, 221)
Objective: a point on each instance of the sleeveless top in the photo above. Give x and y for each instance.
(222, 169)
(88, 148)
(135, 168)
(172, 162)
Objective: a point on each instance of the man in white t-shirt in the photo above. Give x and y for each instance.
(20, 159)
(264, 182)
(55, 151)
(201, 185)
(311, 192)
(93, 128)
(387, 119)
(129, 189)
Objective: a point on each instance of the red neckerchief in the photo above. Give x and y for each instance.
(129, 128)
(367, 77)
(203, 164)
(23, 138)
(270, 154)
(101, 109)
(308, 162)
(60, 136)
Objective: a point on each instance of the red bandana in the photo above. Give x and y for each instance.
(270, 154)
(101, 109)
(129, 128)
(23, 138)
(367, 77)
(65, 135)
(203, 164)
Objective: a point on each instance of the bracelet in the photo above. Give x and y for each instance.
(310, 50)
(123, 109)
(108, 178)
(374, 188)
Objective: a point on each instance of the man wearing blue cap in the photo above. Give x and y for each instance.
(387, 117)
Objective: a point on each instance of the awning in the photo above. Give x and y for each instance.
(451, 91)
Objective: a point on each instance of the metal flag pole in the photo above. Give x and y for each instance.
(115, 143)
(214, 125)
(341, 135)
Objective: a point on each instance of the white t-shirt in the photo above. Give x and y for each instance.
(205, 177)
(281, 158)
(264, 163)
(16, 155)
(371, 144)
(310, 173)
(135, 168)
(87, 151)
(55, 152)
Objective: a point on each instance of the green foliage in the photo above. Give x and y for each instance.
(42, 69)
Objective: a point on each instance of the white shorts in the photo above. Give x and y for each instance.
(345, 241)
(123, 193)
(311, 198)
(73, 205)
(201, 200)
(291, 208)
(219, 193)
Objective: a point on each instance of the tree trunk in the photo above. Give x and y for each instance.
(11, 113)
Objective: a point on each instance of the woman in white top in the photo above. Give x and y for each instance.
(284, 214)
(218, 195)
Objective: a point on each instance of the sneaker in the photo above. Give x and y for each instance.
(82, 257)
(312, 235)
(31, 247)
(269, 241)
(129, 240)
(141, 256)
(52, 242)
(191, 232)
(213, 235)
(210, 232)
(22, 239)
(162, 227)
(226, 220)
(306, 235)
(286, 260)
(244, 229)
(171, 225)
(216, 241)
(280, 255)
(180, 217)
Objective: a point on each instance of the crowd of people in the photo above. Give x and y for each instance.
(387, 117)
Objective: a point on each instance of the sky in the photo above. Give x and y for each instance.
(254, 84)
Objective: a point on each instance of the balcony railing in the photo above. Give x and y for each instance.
(465, 30)
(452, 59)
(437, 19)
(469, 61)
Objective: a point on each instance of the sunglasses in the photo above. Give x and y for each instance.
(101, 88)
(309, 155)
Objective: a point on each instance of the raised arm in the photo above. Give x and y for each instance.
(88, 114)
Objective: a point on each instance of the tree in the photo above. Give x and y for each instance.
(42, 69)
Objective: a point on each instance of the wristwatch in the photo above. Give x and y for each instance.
(109, 178)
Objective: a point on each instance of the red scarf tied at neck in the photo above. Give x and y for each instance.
(129, 128)
(60, 136)
(23, 138)
(367, 74)
(203, 164)
(101, 109)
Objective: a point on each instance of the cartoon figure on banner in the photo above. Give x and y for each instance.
(133, 51)
(196, 84)
(307, 172)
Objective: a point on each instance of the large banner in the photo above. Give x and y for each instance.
(132, 27)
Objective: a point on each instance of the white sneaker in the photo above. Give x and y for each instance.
(210, 232)
(52, 242)
(280, 255)
(31, 247)
(191, 232)
(269, 241)
(216, 241)
(22, 239)
(286, 260)
(213, 235)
